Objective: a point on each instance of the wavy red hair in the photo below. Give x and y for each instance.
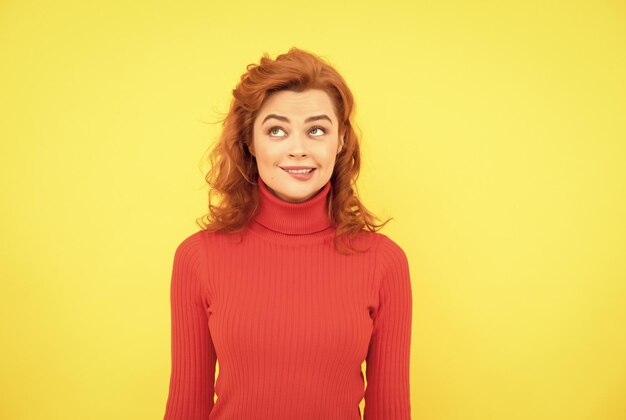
(233, 172)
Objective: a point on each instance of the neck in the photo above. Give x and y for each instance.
(283, 217)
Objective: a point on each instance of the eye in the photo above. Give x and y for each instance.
(271, 129)
(319, 128)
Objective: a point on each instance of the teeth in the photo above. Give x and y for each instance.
(299, 171)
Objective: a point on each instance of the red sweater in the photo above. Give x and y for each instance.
(290, 321)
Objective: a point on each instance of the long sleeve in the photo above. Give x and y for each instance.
(193, 356)
(388, 396)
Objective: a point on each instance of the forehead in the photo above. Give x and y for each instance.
(298, 104)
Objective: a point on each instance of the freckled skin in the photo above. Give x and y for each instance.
(279, 143)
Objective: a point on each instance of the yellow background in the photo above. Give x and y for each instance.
(493, 132)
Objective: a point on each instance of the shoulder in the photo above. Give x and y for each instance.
(387, 248)
(391, 260)
(379, 244)
(191, 243)
(200, 240)
(190, 268)
(195, 246)
(190, 251)
(205, 245)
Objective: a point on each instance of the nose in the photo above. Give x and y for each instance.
(297, 145)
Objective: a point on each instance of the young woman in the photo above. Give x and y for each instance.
(289, 286)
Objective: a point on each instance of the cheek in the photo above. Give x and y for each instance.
(267, 158)
(329, 157)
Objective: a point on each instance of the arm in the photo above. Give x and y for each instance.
(388, 395)
(193, 357)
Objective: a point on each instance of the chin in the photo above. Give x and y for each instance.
(296, 199)
(292, 190)
(298, 194)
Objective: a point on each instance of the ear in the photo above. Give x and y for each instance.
(251, 149)
(340, 145)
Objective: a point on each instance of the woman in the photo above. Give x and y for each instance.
(289, 285)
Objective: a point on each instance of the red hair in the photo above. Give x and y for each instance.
(233, 173)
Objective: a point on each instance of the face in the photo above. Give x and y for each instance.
(296, 129)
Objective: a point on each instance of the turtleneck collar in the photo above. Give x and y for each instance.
(303, 218)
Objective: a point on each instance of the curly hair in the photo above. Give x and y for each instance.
(233, 171)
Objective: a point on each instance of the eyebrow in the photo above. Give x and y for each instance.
(313, 118)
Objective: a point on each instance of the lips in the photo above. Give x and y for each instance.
(295, 168)
(298, 170)
(302, 175)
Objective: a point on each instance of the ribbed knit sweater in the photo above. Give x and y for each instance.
(289, 320)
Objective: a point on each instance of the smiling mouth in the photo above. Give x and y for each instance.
(299, 171)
